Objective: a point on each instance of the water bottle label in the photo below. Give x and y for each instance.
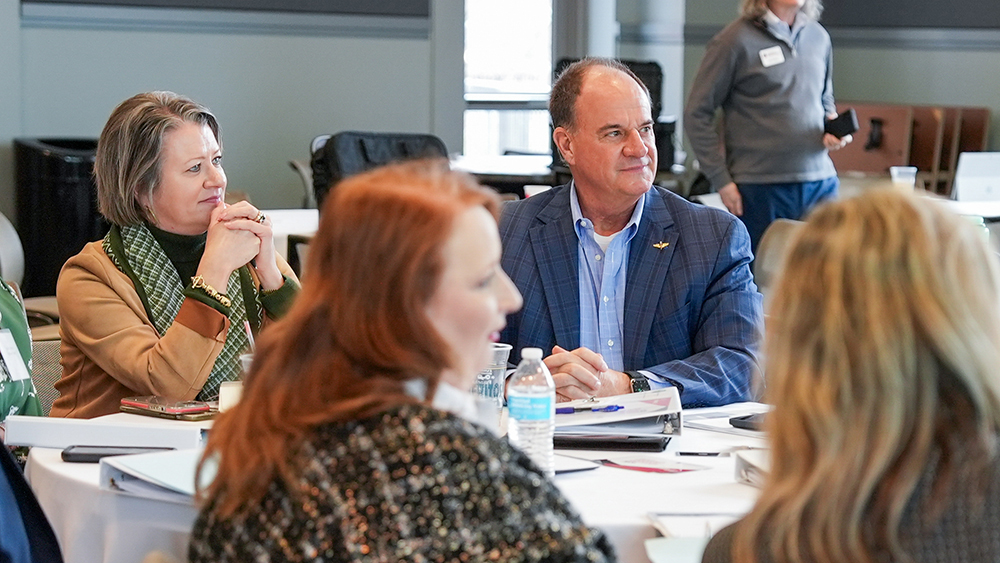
(531, 408)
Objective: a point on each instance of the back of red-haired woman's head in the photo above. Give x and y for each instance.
(372, 267)
(358, 329)
(376, 261)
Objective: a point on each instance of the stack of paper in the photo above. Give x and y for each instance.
(685, 535)
(691, 525)
(675, 550)
(716, 419)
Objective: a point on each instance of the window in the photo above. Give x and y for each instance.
(508, 74)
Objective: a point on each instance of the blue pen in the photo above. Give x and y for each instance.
(571, 410)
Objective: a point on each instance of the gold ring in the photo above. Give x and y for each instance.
(260, 217)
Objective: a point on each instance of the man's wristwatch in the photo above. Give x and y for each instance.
(638, 381)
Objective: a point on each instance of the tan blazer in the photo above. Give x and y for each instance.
(110, 348)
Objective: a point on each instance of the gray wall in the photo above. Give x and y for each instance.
(926, 77)
(653, 30)
(273, 88)
(10, 98)
(946, 67)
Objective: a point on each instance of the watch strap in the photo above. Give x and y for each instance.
(639, 382)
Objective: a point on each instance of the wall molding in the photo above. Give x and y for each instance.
(116, 18)
(652, 34)
(917, 38)
(882, 38)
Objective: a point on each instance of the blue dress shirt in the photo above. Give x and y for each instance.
(602, 305)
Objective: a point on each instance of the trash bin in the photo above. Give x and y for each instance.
(56, 202)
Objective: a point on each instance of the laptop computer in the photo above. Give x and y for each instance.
(977, 177)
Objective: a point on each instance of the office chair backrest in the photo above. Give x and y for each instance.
(352, 152)
(771, 250)
(304, 170)
(45, 371)
(649, 72)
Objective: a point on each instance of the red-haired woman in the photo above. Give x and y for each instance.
(350, 443)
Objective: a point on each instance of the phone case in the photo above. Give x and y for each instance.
(187, 416)
(161, 404)
(843, 125)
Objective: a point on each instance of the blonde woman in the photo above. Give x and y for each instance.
(158, 307)
(883, 348)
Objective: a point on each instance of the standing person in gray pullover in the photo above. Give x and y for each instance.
(771, 73)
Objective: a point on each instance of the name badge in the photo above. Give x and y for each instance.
(12, 356)
(772, 56)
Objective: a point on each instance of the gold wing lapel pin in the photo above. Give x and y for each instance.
(660, 245)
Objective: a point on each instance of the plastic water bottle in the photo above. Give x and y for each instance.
(531, 403)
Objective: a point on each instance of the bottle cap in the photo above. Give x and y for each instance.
(531, 353)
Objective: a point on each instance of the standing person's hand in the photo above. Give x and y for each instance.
(731, 198)
(243, 216)
(834, 143)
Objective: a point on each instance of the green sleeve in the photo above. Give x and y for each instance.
(198, 295)
(278, 302)
(16, 397)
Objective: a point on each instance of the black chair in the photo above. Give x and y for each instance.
(648, 71)
(352, 152)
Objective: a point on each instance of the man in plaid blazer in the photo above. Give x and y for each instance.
(629, 286)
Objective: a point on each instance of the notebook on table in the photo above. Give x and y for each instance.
(635, 422)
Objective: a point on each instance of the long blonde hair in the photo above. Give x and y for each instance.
(882, 350)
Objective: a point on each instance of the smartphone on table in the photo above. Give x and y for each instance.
(749, 422)
(161, 407)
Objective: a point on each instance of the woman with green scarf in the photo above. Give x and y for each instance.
(159, 306)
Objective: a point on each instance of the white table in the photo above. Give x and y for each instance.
(101, 526)
(286, 222)
(988, 210)
(618, 501)
(96, 526)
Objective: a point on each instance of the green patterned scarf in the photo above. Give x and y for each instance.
(137, 254)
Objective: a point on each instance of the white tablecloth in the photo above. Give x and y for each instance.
(96, 526)
(101, 526)
(618, 501)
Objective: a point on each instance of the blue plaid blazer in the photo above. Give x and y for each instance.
(692, 312)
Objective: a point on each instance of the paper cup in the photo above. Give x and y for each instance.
(229, 394)
(903, 176)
